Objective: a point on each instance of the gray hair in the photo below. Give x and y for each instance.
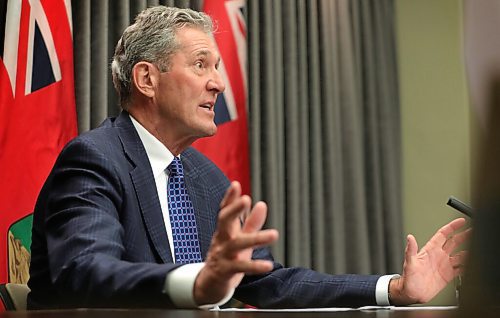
(152, 38)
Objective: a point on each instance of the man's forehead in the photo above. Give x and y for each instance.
(190, 36)
(196, 42)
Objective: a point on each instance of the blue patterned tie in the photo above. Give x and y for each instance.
(182, 219)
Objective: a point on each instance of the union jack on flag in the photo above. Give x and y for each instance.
(37, 116)
(229, 147)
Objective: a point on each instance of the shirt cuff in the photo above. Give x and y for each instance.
(382, 290)
(179, 285)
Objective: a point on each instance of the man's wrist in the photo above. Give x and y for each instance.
(393, 291)
(396, 294)
(389, 296)
(206, 290)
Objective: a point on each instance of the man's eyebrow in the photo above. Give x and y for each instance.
(205, 53)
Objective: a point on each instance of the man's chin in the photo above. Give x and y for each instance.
(209, 132)
(212, 131)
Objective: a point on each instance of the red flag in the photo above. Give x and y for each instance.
(229, 147)
(37, 116)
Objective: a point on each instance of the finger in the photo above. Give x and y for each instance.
(459, 259)
(444, 232)
(251, 266)
(244, 215)
(259, 267)
(233, 211)
(232, 192)
(456, 224)
(455, 240)
(256, 219)
(411, 247)
(250, 240)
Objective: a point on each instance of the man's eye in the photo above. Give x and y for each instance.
(199, 65)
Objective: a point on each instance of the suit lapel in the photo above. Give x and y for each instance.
(145, 187)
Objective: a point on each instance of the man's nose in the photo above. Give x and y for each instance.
(215, 83)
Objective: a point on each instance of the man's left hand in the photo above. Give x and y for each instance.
(428, 271)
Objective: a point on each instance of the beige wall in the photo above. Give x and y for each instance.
(435, 115)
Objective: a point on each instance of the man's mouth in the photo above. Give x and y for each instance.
(208, 106)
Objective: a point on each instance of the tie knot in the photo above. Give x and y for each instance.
(175, 167)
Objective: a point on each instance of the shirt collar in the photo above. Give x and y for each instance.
(159, 155)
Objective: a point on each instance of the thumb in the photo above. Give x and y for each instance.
(411, 247)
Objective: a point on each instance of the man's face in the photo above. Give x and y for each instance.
(187, 91)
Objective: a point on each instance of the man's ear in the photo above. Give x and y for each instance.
(144, 77)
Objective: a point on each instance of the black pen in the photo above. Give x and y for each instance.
(459, 206)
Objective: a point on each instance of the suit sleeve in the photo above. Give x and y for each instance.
(82, 200)
(305, 288)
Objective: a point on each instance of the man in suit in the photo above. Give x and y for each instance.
(104, 231)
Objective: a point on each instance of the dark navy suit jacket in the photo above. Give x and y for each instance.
(99, 239)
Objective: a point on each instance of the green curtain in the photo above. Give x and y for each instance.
(323, 115)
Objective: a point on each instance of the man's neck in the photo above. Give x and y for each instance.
(175, 144)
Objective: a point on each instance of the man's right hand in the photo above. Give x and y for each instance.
(239, 231)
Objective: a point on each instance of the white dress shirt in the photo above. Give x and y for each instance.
(179, 283)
